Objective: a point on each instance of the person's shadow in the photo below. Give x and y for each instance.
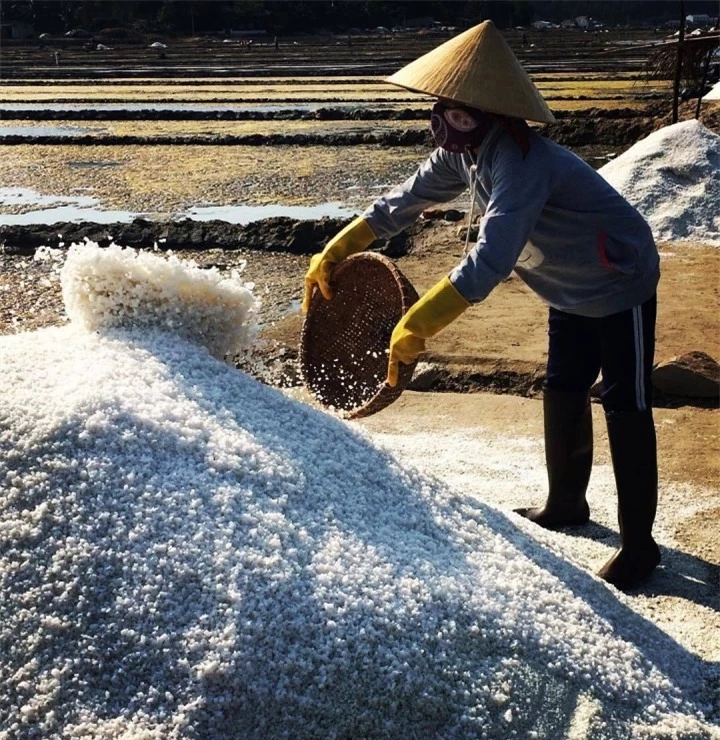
(680, 574)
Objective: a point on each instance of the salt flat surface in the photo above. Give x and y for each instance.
(187, 553)
(28, 196)
(673, 178)
(46, 130)
(58, 209)
(203, 107)
(61, 209)
(245, 214)
(67, 214)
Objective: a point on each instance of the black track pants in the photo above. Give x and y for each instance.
(622, 345)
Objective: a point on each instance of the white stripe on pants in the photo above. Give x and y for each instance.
(639, 358)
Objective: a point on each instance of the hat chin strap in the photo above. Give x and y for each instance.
(473, 192)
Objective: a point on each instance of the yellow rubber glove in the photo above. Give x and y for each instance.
(355, 237)
(433, 312)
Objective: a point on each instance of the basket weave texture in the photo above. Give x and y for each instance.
(345, 341)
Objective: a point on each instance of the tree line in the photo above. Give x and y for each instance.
(185, 17)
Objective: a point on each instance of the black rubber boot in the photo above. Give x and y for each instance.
(634, 455)
(568, 454)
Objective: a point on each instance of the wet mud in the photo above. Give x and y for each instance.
(406, 137)
(572, 132)
(279, 234)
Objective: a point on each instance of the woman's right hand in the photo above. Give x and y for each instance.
(354, 238)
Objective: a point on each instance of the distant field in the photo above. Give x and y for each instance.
(291, 91)
(90, 94)
(164, 179)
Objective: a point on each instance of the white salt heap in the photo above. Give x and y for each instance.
(673, 178)
(186, 553)
(714, 94)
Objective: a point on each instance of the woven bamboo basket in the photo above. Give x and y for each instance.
(345, 341)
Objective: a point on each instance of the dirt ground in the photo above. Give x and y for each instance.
(507, 332)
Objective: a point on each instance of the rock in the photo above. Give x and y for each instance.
(396, 246)
(424, 377)
(694, 374)
(462, 232)
(439, 214)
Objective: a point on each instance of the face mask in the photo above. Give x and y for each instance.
(457, 129)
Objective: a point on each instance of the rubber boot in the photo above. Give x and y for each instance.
(568, 454)
(633, 449)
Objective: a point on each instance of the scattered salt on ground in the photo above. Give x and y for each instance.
(187, 553)
(673, 178)
(682, 594)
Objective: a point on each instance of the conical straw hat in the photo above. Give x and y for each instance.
(477, 68)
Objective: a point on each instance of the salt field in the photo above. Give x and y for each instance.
(245, 214)
(191, 548)
(65, 209)
(54, 208)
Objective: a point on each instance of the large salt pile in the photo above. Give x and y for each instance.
(673, 178)
(186, 553)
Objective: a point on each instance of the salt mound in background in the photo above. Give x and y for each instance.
(186, 553)
(673, 178)
(714, 94)
(116, 287)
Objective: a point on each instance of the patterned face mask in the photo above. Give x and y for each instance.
(457, 129)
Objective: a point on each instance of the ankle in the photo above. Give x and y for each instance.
(637, 547)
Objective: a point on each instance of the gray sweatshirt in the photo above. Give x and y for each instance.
(549, 216)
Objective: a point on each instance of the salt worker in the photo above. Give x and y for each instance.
(571, 238)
